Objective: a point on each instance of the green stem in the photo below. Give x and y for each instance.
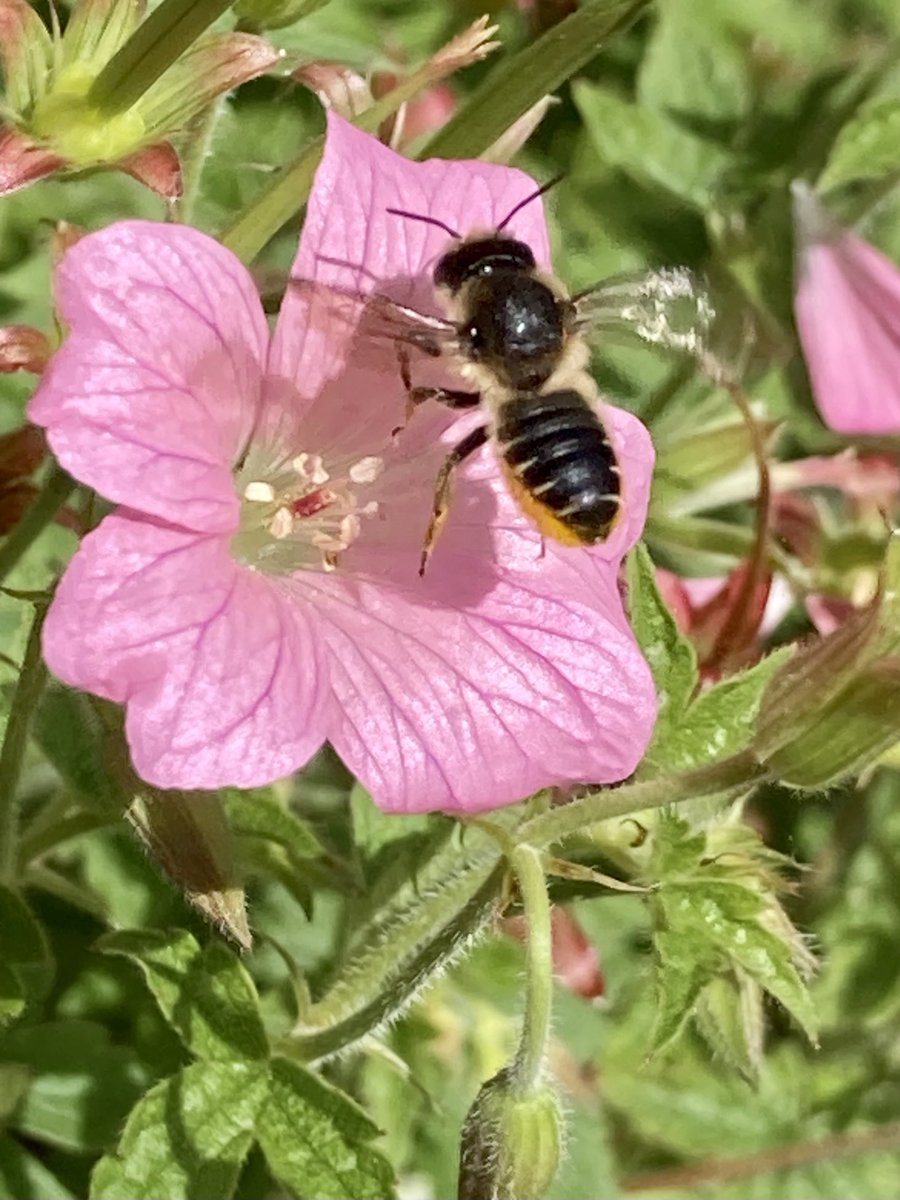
(53, 495)
(739, 771)
(152, 48)
(524, 78)
(36, 843)
(194, 159)
(526, 862)
(396, 959)
(28, 690)
(289, 190)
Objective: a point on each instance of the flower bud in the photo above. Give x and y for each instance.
(835, 707)
(23, 349)
(54, 119)
(187, 834)
(511, 1141)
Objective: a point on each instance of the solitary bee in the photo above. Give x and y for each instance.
(515, 335)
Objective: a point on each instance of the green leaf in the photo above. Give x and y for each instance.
(315, 1139)
(868, 147)
(694, 66)
(14, 1081)
(518, 83)
(679, 980)
(73, 737)
(26, 966)
(721, 721)
(671, 656)
(259, 814)
(373, 829)
(729, 1015)
(206, 995)
(187, 1137)
(81, 1084)
(727, 917)
(24, 1177)
(649, 147)
(12, 998)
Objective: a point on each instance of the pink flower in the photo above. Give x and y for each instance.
(257, 591)
(576, 963)
(847, 307)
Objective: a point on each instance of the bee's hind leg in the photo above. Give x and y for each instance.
(442, 486)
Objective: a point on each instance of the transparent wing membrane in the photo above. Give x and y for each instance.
(671, 307)
(375, 316)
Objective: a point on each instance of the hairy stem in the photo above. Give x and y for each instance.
(397, 957)
(526, 862)
(28, 690)
(156, 43)
(739, 771)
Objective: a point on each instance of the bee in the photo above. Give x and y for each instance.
(517, 338)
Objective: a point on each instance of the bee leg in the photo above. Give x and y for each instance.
(451, 397)
(472, 442)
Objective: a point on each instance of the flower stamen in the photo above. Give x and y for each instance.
(291, 521)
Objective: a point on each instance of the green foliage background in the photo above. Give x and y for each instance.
(143, 1057)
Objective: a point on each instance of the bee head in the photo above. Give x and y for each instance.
(481, 256)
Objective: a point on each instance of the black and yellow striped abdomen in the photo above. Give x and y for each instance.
(560, 465)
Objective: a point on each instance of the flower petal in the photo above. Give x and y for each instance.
(154, 393)
(847, 307)
(221, 674)
(350, 240)
(468, 709)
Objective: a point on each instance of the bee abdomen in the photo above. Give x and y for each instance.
(559, 453)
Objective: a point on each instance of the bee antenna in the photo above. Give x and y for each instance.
(398, 212)
(545, 187)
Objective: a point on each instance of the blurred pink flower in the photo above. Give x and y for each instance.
(257, 591)
(576, 963)
(847, 307)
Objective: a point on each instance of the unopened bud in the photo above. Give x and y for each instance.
(21, 451)
(187, 833)
(23, 349)
(511, 1141)
(835, 707)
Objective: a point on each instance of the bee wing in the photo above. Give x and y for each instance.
(374, 316)
(670, 307)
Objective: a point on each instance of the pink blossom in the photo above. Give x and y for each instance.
(257, 591)
(847, 307)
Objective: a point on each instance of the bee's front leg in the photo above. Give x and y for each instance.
(451, 397)
(442, 487)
